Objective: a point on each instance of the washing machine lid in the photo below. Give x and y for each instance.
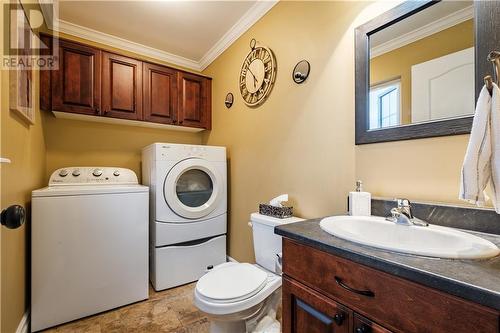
(56, 191)
(232, 283)
(193, 188)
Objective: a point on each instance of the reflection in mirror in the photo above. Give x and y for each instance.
(422, 68)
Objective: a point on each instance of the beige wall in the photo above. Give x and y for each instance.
(421, 170)
(81, 143)
(397, 63)
(301, 141)
(25, 146)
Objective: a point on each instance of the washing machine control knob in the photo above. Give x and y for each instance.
(76, 173)
(116, 173)
(63, 173)
(97, 172)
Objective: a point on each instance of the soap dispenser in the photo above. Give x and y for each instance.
(360, 203)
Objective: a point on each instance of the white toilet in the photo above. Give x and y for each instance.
(232, 294)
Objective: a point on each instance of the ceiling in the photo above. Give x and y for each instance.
(187, 33)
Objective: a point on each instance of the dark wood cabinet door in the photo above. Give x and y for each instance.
(76, 83)
(364, 325)
(121, 87)
(160, 94)
(194, 100)
(306, 311)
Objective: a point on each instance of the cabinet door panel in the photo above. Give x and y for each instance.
(160, 94)
(194, 105)
(306, 311)
(122, 87)
(76, 84)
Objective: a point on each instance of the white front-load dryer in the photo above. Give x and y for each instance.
(188, 210)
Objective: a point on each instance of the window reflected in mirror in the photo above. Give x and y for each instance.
(422, 68)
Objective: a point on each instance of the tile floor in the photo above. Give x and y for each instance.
(169, 311)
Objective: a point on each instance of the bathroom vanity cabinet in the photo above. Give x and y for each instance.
(323, 292)
(104, 85)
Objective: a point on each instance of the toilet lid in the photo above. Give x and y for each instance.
(232, 282)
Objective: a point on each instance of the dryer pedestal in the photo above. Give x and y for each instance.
(174, 265)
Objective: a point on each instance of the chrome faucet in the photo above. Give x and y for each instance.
(403, 215)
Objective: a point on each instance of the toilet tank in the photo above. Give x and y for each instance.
(266, 244)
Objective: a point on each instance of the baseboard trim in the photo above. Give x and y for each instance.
(231, 259)
(24, 323)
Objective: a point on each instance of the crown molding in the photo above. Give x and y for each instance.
(124, 44)
(441, 24)
(255, 13)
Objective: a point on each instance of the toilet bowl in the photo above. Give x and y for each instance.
(232, 293)
(235, 296)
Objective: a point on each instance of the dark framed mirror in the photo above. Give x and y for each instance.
(419, 67)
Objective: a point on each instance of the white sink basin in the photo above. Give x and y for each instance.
(431, 241)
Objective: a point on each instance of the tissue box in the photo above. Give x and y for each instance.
(279, 212)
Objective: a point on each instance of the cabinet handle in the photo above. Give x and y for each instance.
(181, 121)
(367, 293)
(96, 110)
(174, 121)
(339, 318)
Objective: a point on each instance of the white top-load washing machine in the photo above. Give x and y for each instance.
(188, 210)
(89, 244)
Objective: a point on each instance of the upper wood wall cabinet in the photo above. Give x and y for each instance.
(194, 100)
(76, 84)
(121, 87)
(160, 94)
(93, 82)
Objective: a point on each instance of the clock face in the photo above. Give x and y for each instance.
(257, 75)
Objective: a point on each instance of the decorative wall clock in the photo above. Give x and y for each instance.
(257, 75)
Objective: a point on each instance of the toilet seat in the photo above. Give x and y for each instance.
(231, 282)
(226, 302)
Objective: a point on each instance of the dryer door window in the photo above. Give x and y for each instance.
(193, 188)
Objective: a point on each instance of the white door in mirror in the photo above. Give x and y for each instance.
(430, 241)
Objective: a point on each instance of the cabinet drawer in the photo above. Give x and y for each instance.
(398, 304)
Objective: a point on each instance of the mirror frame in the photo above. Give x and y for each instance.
(437, 128)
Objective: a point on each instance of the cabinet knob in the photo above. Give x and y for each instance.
(180, 122)
(174, 121)
(339, 318)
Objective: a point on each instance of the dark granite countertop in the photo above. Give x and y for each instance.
(474, 280)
